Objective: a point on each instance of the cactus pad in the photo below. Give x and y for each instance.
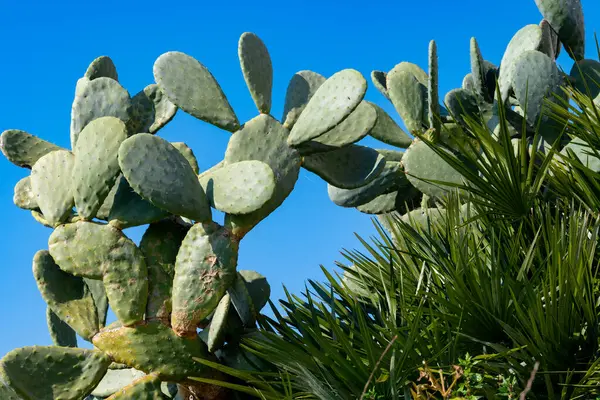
(101, 97)
(527, 38)
(144, 388)
(218, 323)
(190, 86)
(379, 79)
(258, 287)
(333, 101)
(351, 130)
(263, 139)
(257, 69)
(66, 295)
(187, 152)
(388, 131)
(61, 333)
(96, 165)
(242, 302)
(462, 103)
(159, 173)
(389, 202)
(421, 162)
(536, 77)
(97, 251)
(409, 97)
(240, 188)
(153, 347)
(51, 182)
(130, 209)
(58, 372)
(586, 76)
(566, 18)
(347, 168)
(301, 89)
(102, 66)
(204, 270)
(24, 196)
(24, 149)
(96, 288)
(150, 111)
(389, 180)
(116, 379)
(160, 244)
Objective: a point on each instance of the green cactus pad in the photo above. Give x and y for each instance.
(24, 149)
(391, 155)
(347, 168)
(351, 130)
(263, 139)
(101, 97)
(160, 245)
(300, 90)
(413, 69)
(547, 44)
(586, 76)
(39, 217)
(61, 333)
(215, 336)
(258, 287)
(424, 218)
(468, 82)
(51, 179)
(115, 380)
(102, 66)
(96, 165)
(333, 101)
(109, 201)
(389, 202)
(190, 86)
(153, 347)
(96, 288)
(97, 251)
(58, 372)
(479, 74)
(462, 103)
(159, 173)
(566, 18)
(379, 79)
(24, 196)
(150, 111)
(387, 130)
(536, 77)
(144, 388)
(6, 393)
(188, 154)
(409, 97)
(389, 180)
(421, 162)
(257, 69)
(240, 188)
(66, 295)
(585, 154)
(204, 270)
(242, 302)
(433, 101)
(128, 209)
(527, 38)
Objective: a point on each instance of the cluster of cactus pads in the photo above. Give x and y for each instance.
(518, 89)
(179, 295)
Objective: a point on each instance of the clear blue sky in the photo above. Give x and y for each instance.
(47, 46)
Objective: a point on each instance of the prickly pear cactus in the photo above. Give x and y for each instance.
(408, 183)
(179, 294)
